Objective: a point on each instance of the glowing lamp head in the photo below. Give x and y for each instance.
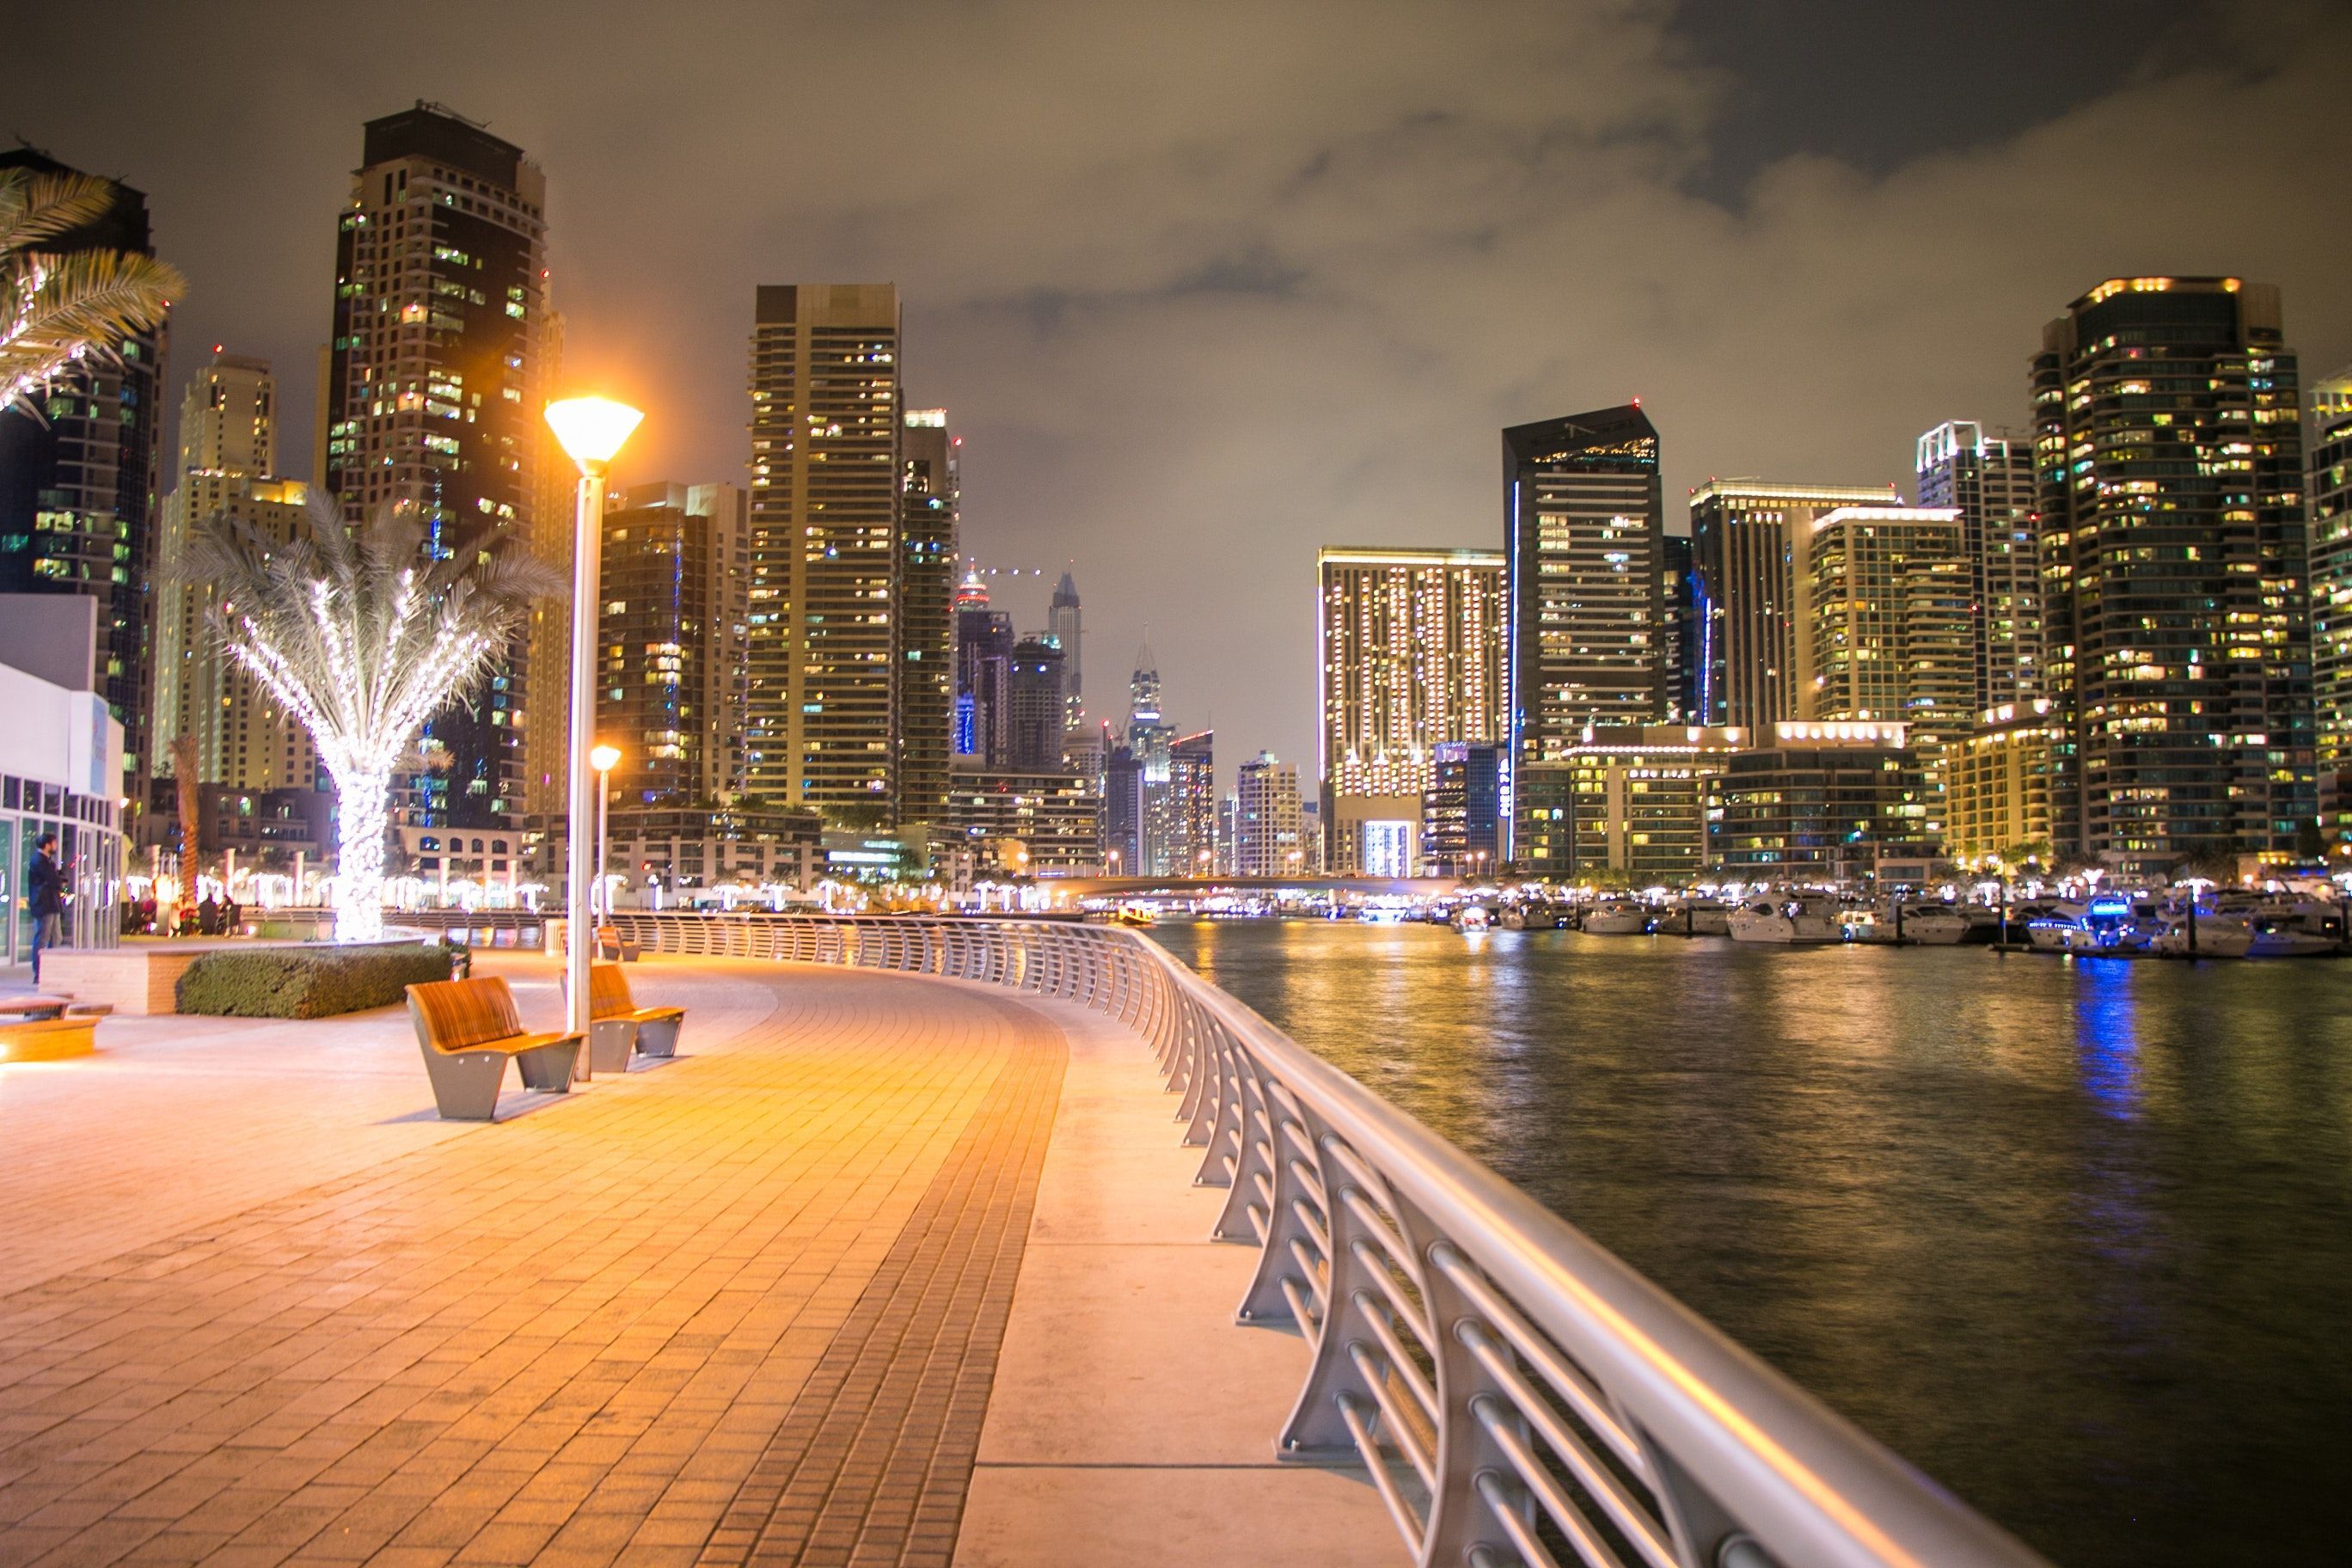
(591, 429)
(603, 758)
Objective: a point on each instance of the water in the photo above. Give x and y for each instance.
(2073, 1237)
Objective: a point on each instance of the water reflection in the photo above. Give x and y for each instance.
(2073, 1237)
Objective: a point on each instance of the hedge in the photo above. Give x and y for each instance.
(310, 981)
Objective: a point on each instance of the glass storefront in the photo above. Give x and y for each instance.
(89, 849)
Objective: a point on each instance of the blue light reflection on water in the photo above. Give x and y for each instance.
(2074, 1236)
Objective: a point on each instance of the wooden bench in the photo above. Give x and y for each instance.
(47, 1039)
(610, 943)
(468, 1031)
(616, 1025)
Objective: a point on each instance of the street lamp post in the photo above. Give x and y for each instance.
(603, 757)
(591, 430)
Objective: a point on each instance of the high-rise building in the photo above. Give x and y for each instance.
(1678, 588)
(1412, 658)
(1033, 700)
(1043, 822)
(1192, 805)
(1743, 534)
(1266, 826)
(1065, 624)
(1988, 479)
(1460, 826)
(1631, 801)
(1997, 786)
(2328, 495)
(826, 518)
(80, 484)
(983, 717)
(1583, 529)
(228, 456)
(547, 626)
(435, 383)
(930, 496)
(670, 640)
(1149, 736)
(1122, 832)
(1883, 622)
(2170, 445)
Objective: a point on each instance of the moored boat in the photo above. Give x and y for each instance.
(1617, 917)
(1789, 921)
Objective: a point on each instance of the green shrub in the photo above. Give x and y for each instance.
(307, 982)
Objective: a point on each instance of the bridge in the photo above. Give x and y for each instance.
(1215, 887)
(942, 1242)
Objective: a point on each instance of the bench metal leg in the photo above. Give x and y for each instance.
(550, 1068)
(465, 1083)
(658, 1037)
(609, 1041)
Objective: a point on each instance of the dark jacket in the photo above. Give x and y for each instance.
(45, 887)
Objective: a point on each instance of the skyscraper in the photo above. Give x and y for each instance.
(2328, 496)
(825, 519)
(1584, 530)
(1883, 621)
(1266, 826)
(1035, 718)
(1743, 536)
(81, 485)
(1065, 626)
(1149, 736)
(2168, 441)
(670, 640)
(228, 458)
(1192, 805)
(930, 496)
(1989, 481)
(1678, 587)
(1122, 835)
(1411, 646)
(983, 702)
(433, 393)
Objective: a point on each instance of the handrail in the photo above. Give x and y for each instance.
(1518, 1393)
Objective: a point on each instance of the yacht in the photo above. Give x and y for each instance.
(1696, 917)
(1931, 924)
(1473, 917)
(1617, 917)
(2290, 931)
(2108, 924)
(1789, 920)
(2214, 935)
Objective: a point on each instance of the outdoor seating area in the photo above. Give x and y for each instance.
(469, 1030)
(619, 1028)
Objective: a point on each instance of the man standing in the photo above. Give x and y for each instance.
(44, 896)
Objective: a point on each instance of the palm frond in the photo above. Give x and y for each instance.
(35, 205)
(68, 307)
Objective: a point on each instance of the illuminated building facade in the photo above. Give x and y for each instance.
(1266, 822)
(1882, 613)
(1997, 789)
(2328, 496)
(1678, 590)
(1746, 538)
(1461, 819)
(1023, 821)
(1631, 801)
(1411, 651)
(981, 723)
(433, 389)
(1824, 802)
(1990, 481)
(80, 486)
(1192, 805)
(671, 636)
(1065, 623)
(931, 496)
(1034, 706)
(821, 721)
(2169, 442)
(228, 458)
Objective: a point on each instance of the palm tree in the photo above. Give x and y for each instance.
(362, 632)
(58, 308)
(191, 818)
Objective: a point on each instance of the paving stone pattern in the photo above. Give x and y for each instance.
(600, 1333)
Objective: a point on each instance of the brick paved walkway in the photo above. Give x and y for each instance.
(257, 1310)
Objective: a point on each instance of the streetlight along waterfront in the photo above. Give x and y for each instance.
(592, 430)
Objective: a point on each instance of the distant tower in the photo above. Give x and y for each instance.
(433, 389)
(984, 674)
(1034, 702)
(1989, 481)
(1062, 622)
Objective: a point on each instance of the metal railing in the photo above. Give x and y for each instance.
(1516, 1394)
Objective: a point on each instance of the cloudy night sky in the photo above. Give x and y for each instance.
(1204, 287)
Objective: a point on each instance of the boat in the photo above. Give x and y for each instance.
(1696, 917)
(1473, 917)
(1617, 917)
(2287, 930)
(2209, 935)
(2108, 925)
(1134, 915)
(1927, 924)
(1791, 919)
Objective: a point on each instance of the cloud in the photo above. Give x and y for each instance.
(1207, 285)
